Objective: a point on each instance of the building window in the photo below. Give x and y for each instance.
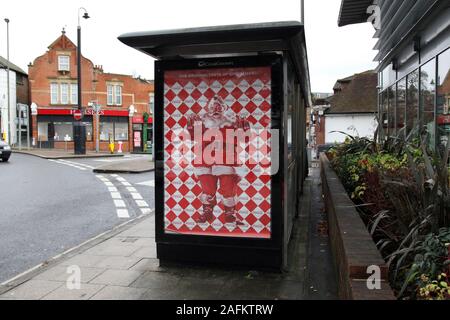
(63, 63)
(121, 131)
(114, 93)
(412, 105)
(64, 93)
(54, 93)
(110, 96)
(152, 102)
(391, 92)
(443, 99)
(118, 95)
(401, 107)
(428, 96)
(114, 127)
(63, 131)
(74, 93)
(384, 114)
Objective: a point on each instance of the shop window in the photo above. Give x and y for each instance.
(428, 96)
(89, 132)
(412, 105)
(106, 130)
(115, 129)
(401, 107)
(121, 131)
(443, 98)
(63, 131)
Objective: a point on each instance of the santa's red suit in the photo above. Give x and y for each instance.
(215, 166)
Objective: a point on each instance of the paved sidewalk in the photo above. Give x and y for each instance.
(124, 266)
(62, 154)
(130, 166)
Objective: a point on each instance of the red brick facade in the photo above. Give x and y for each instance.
(45, 73)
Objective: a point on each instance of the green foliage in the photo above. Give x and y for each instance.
(402, 192)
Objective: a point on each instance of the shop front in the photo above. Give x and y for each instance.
(54, 128)
(142, 134)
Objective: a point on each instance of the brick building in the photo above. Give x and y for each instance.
(53, 92)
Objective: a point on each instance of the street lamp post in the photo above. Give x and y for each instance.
(79, 128)
(8, 84)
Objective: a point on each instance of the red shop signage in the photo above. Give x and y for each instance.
(443, 119)
(87, 112)
(140, 119)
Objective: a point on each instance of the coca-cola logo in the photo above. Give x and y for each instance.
(202, 64)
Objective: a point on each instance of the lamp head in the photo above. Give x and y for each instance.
(86, 16)
(6, 20)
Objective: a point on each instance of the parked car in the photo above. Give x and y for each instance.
(5, 151)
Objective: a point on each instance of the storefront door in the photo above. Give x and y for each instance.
(51, 135)
(137, 141)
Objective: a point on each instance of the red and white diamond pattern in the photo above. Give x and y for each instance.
(247, 91)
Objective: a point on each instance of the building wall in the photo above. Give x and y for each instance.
(355, 125)
(44, 71)
(4, 103)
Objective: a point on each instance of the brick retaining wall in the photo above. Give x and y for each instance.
(352, 246)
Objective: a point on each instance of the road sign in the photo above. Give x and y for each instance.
(77, 115)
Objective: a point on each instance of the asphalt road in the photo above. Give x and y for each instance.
(48, 207)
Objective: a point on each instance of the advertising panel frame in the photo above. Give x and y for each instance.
(218, 249)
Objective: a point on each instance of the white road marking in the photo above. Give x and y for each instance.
(136, 196)
(122, 213)
(142, 204)
(149, 183)
(64, 162)
(146, 210)
(121, 210)
(78, 164)
(116, 195)
(119, 204)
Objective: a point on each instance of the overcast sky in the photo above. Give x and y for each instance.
(333, 52)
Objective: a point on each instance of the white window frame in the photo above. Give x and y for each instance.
(118, 95)
(110, 95)
(54, 93)
(63, 65)
(64, 93)
(152, 102)
(74, 93)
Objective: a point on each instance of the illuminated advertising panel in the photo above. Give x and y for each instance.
(217, 162)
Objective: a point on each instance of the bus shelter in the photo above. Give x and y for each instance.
(230, 140)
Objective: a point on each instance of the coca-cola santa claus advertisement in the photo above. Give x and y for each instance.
(217, 152)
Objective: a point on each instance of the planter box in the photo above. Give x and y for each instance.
(353, 248)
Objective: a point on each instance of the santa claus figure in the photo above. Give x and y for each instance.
(213, 167)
